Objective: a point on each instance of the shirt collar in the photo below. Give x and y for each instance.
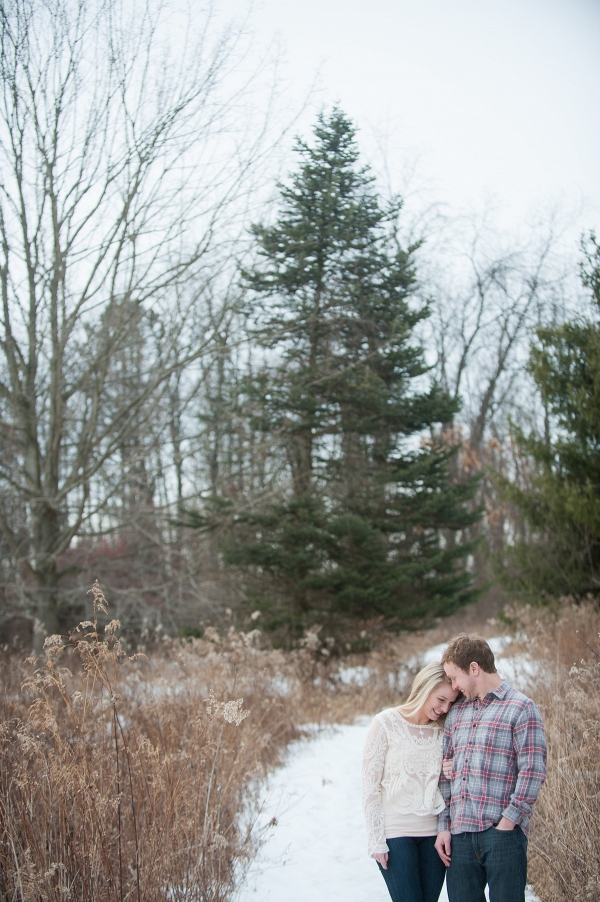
(500, 691)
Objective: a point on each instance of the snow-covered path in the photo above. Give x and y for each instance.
(317, 850)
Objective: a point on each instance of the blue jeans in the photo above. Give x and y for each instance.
(495, 857)
(415, 871)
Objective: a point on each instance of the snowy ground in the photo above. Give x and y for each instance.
(317, 850)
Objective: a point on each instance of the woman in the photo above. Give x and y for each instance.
(401, 769)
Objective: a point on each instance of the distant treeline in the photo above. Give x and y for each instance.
(296, 418)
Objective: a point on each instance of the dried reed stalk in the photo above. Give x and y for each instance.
(563, 656)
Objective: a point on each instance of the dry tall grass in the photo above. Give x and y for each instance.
(328, 691)
(564, 653)
(127, 778)
(138, 777)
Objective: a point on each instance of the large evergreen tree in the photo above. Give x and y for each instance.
(357, 531)
(560, 550)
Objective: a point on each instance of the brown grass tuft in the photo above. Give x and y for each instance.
(564, 849)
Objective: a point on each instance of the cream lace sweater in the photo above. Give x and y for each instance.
(401, 769)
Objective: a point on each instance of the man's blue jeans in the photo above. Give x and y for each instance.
(415, 871)
(495, 857)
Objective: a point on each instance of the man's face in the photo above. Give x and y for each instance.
(465, 681)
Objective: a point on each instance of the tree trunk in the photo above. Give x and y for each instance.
(45, 604)
(300, 455)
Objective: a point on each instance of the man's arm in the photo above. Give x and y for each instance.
(445, 784)
(443, 840)
(529, 742)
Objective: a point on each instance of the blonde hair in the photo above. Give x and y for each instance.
(424, 683)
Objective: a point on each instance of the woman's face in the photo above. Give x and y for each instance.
(439, 701)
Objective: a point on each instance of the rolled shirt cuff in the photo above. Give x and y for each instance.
(443, 821)
(513, 814)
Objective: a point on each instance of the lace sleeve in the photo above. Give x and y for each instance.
(376, 745)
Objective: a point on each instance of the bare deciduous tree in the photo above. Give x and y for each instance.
(480, 330)
(122, 165)
(485, 309)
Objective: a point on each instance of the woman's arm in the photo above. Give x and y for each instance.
(376, 746)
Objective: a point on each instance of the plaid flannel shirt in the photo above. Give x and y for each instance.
(498, 749)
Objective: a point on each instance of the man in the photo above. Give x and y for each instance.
(495, 738)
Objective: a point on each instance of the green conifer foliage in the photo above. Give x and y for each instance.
(560, 551)
(357, 531)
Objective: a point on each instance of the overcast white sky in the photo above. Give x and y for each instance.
(498, 99)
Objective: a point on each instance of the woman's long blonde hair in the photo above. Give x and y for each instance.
(425, 682)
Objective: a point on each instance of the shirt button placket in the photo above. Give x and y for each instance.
(470, 745)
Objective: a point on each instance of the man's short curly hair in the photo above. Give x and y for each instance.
(464, 650)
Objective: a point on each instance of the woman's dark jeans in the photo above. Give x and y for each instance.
(495, 857)
(415, 871)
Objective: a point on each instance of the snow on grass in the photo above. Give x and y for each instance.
(508, 667)
(497, 644)
(354, 676)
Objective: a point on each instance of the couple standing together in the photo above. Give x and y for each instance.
(470, 820)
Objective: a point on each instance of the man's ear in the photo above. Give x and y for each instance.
(474, 669)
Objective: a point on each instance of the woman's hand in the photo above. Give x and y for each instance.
(382, 858)
(447, 768)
